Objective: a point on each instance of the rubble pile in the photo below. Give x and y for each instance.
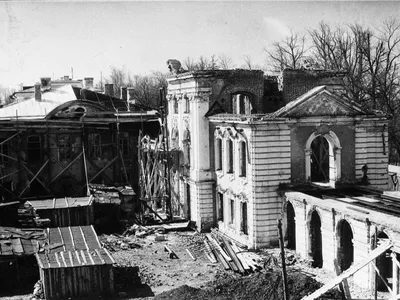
(254, 286)
(38, 292)
(115, 242)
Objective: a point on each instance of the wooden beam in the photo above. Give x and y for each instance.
(344, 287)
(9, 157)
(98, 169)
(9, 138)
(67, 167)
(382, 279)
(331, 284)
(86, 171)
(12, 173)
(38, 180)
(104, 168)
(123, 165)
(395, 273)
(34, 177)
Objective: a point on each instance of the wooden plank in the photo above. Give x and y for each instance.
(344, 287)
(372, 255)
(233, 256)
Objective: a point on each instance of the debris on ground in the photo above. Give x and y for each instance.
(254, 286)
(38, 292)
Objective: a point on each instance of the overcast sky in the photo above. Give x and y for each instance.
(48, 38)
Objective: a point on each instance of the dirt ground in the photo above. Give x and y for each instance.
(144, 270)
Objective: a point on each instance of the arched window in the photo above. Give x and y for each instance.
(345, 251)
(291, 227)
(316, 240)
(241, 104)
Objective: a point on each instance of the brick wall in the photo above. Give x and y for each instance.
(297, 82)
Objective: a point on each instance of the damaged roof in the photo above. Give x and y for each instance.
(20, 242)
(25, 106)
(57, 203)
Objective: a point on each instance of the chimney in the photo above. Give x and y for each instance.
(66, 78)
(131, 95)
(88, 83)
(38, 92)
(45, 82)
(109, 89)
(123, 94)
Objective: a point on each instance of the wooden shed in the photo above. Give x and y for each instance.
(64, 212)
(18, 266)
(75, 265)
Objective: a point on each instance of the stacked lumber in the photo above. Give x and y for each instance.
(231, 255)
(28, 218)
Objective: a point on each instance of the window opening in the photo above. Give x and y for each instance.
(316, 240)
(229, 148)
(64, 147)
(291, 227)
(242, 159)
(218, 154)
(346, 249)
(244, 227)
(384, 265)
(34, 148)
(94, 145)
(124, 143)
(176, 106)
(220, 207)
(187, 105)
(232, 211)
(320, 159)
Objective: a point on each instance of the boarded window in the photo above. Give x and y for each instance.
(220, 205)
(243, 223)
(229, 154)
(64, 147)
(124, 143)
(242, 159)
(3, 150)
(34, 148)
(94, 145)
(218, 154)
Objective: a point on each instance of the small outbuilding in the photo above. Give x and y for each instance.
(75, 265)
(64, 212)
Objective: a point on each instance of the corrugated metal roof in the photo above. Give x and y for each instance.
(16, 241)
(69, 259)
(72, 238)
(57, 203)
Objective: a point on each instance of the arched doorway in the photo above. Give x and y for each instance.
(291, 227)
(323, 158)
(320, 159)
(384, 265)
(345, 251)
(316, 240)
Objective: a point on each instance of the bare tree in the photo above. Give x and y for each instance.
(213, 62)
(225, 62)
(248, 62)
(189, 64)
(287, 53)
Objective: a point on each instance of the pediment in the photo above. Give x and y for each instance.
(321, 102)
